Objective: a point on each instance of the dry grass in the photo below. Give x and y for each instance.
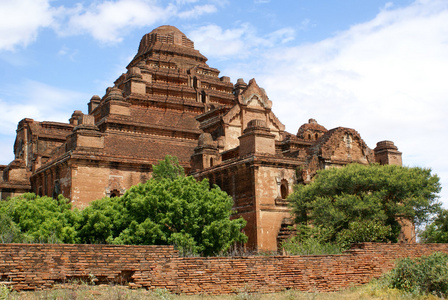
(373, 290)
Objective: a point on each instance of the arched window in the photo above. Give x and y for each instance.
(211, 161)
(316, 136)
(284, 189)
(114, 193)
(56, 189)
(309, 136)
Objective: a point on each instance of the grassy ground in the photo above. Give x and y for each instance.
(373, 290)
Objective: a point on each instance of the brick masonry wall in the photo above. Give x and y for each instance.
(39, 266)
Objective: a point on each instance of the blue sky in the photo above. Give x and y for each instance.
(377, 66)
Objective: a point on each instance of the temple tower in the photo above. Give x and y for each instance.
(386, 153)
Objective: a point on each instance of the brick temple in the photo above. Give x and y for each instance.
(171, 101)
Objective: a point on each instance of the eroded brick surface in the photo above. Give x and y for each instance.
(34, 267)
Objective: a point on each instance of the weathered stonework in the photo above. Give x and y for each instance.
(171, 102)
(41, 266)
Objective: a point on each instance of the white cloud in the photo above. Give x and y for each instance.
(67, 52)
(197, 11)
(108, 20)
(20, 21)
(400, 62)
(212, 40)
(238, 42)
(282, 36)
(37, 101)
(182, 2)
(6, 149)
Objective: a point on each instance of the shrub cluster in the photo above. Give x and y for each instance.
(317, 240)
(424, 275)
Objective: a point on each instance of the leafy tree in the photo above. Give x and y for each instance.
(363, 231)
(102, 220)
(437, 231)
(168, 168)
(166, 210)
(182, 212)
(362, 203)
(31, 218)
(9, 231)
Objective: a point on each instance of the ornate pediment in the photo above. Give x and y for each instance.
(255, 96)
(232, 114)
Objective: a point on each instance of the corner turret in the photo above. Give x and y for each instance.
(386, 153)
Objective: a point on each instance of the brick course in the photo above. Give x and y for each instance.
(39, 266)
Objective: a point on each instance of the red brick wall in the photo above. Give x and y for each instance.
(36, 266)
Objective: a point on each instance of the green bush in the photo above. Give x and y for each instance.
(311, 241)
(310, 247)
(29, 218)
(5, 291)
(363, 231)
(317, 240)
(437, 231)
(169, 209)
(424, 275)
(10, 231)
(339, 197)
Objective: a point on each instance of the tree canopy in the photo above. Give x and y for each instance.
(168, 168)
(180, 211)
(168, 209)
(35, 219)
(359, 203)
(437, 231)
